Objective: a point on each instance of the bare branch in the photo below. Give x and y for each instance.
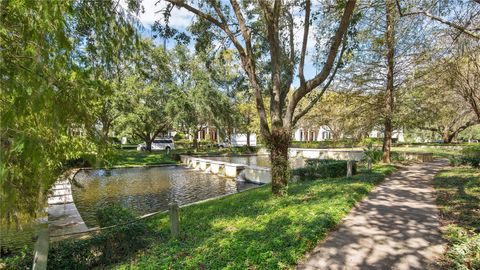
(325, 87)
(304, 42)
(302, 90)
(439, 19)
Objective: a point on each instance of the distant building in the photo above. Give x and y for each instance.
(305, 134)
(324, 133)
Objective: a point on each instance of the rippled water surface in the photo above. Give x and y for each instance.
(146, 190)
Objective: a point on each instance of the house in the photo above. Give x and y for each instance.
(309, 134)
(324, 133)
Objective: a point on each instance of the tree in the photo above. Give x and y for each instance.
(462, 22)
(345, 113)
(46, 93)
(465, 78)
(269, 26)
(436, 103)
(147, 93)
(197, 102)
(389, 94)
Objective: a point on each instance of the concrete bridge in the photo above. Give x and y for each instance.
(213, 166)
(262, 174)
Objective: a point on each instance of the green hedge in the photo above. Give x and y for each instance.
(324, 144)
(324, 168)
(110, 246)
(470, 156)
(107, 247)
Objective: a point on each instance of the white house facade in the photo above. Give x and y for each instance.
(304, 134)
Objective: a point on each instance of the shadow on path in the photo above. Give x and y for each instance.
(397, 227)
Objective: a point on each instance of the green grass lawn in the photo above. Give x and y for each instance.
(253, 229)
(131, 157)
(458, 196)
(126, 158)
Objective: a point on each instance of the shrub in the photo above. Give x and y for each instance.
(464, 252)
(465, 160)
(373, 153)
(370, 142)
(472, 151)
(183, 143)
(455, 161)
(109, 246)
(324, 168)
(112, 215)
(471, 161)
(22, 260)
(397, 156)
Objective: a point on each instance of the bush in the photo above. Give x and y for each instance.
(370, 142)
(179, 136)
(455, 161)
(397, 156)
(23, 260)
(464, 252)
(324, 144)
(375, 154)
(324, 168)
(112, 215)
(109, 246)
(471, 161)
(472, 151)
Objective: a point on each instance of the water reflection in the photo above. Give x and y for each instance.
(146, 190)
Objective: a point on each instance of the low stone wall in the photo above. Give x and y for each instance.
(259, 175)
(63, 215)
(343, 154)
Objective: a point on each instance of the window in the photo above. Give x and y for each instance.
(326, 135)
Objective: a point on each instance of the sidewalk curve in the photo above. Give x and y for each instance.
(396, 227)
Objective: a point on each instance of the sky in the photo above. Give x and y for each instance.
(181, 19)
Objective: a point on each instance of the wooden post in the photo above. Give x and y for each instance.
(41, 250)
(349, 168)
(174, 220)
(369, 164)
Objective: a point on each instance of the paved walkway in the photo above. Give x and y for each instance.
(397, 227)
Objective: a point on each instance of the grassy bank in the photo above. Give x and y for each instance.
(129, 157)
(254, 230)
(458, 196)
(125, 158)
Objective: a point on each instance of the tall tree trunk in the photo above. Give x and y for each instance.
(278, 143)
(446, 136)
(195, 140)
(389, 101)
(248, 138)
(148, 145)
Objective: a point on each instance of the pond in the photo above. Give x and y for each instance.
(147, 189)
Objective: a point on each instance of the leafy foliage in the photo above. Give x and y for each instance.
(324, 168)
(48, 94)
(458, 196)
(112, 215)
(373, 153)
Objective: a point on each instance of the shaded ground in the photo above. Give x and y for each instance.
(253, 229)
(458, 196)
(397, 227)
